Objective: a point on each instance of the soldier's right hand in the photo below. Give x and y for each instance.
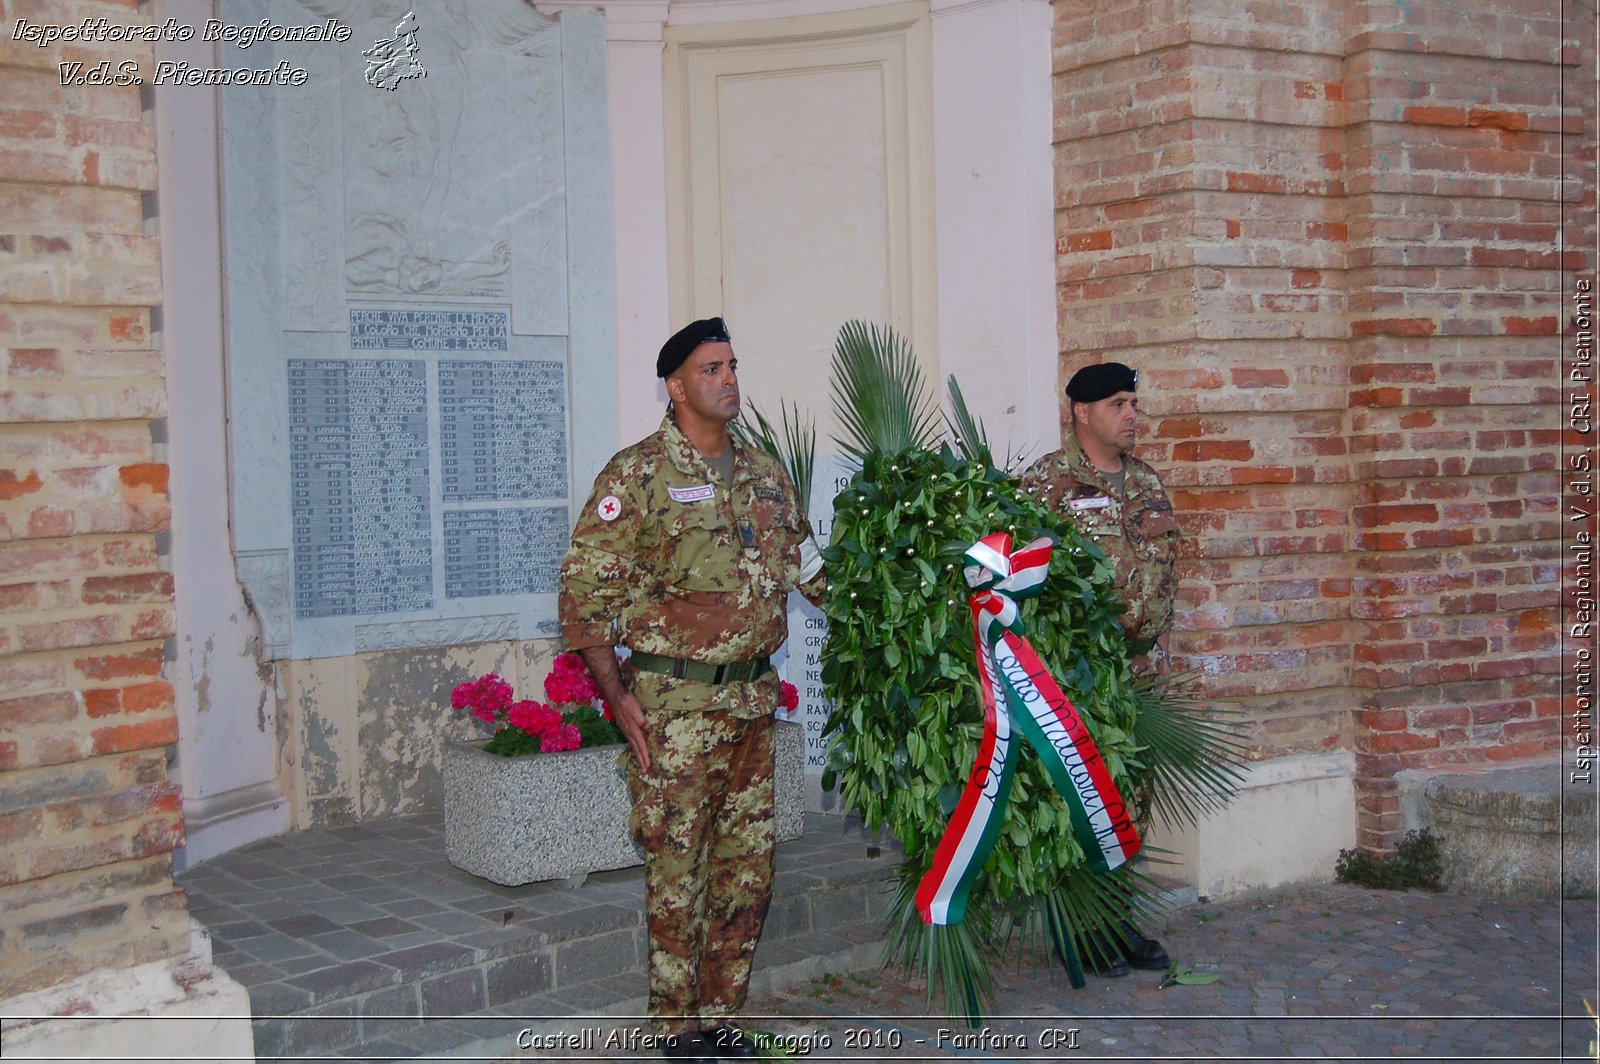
(630, 720)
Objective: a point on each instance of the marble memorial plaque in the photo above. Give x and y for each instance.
(358, 467)
(504, 552)
(503, 430)
(416, 387)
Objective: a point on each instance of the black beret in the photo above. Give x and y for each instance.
(683, 342)
(1094, 383)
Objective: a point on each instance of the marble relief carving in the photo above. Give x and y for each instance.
(427, 204)
(312, 128)
(425, 169)
(267, 578)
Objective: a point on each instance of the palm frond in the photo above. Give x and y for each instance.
(970, 436)
(879, 396)
(796, 447)
(1195, 754)
(1084, 911)
(955, 959)
(1057, 927)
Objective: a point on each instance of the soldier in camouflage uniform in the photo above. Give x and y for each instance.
(1109, 494)
(685, 554)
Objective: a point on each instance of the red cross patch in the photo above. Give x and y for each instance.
(610, 508)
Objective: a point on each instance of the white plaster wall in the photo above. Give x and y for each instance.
(800, 193)
(994, 198)
(227, 737)
(993, 180)
(1287, 824)
(703, 12)
(995, 314)
(635, 88)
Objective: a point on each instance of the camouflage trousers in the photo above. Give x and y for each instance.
(704, 819)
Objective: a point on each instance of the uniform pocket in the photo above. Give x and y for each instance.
(1158, 535)
(704, 551)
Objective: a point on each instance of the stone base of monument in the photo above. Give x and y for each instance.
(1524, 831)
(516, 820)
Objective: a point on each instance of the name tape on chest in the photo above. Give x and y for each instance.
(1093, 502)
(696, 494)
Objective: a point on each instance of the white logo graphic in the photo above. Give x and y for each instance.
(393, 61)
(610, 508)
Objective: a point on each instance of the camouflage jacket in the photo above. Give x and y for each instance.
(1132, 524)
(669, 559)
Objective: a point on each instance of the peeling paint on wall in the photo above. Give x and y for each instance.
(395, 706)
(202, 683)
(268, 677)
(319, 758)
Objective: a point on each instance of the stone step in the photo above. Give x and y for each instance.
(363, 941)
(561, 952)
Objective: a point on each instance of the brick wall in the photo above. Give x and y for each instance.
(88, 815)
(1327, 234)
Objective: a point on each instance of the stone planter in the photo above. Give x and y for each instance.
(516, 820)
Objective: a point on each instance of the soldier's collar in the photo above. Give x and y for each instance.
(688, 459)
(1129, 485)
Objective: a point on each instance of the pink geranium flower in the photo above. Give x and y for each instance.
(525, 726)
(570, 681)
(487, 697)
(561, 737)
(535, 718)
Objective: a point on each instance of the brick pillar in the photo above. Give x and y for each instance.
(1452, 179)
(1201, 238)
(88, 816)
(1327, 234)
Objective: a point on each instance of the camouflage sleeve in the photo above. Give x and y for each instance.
(600, 564)
(1152, 586)
(1152, 571)
(794, 562)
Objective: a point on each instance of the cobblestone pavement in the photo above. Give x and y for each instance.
(1326, 972)
(1331, 973)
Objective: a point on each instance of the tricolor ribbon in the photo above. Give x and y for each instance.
(1019, 691)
